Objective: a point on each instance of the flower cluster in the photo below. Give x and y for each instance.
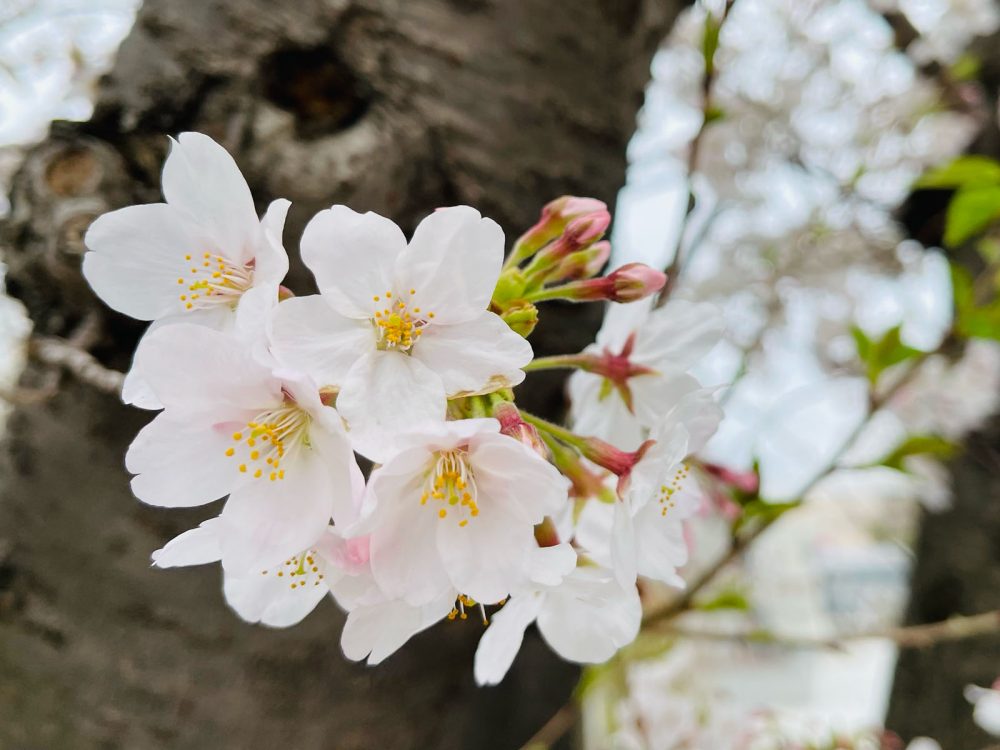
(407, 356)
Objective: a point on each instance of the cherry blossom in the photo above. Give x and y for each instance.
(455, 510)
(635, 365)
(233, 424)
(399, 327)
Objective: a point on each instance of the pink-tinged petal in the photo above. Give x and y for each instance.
(310, 336)
(266, 521)
(385, 394)
(514, 478)
(181, 462)
(404, 551)
(589, 617)
(201, 180)
(489, 556)
(353, 257)
(602, 414)
(502, 639)
(136, 255)
(479, 356)
(679, 334)
(378, 631)
(452, 263)
(263, 596)
(192, 368)
(198, 546)
(271, 262)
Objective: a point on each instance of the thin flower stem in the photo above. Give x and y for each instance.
(560, 433)
(560, 362)
(908, 636)
(569, 291)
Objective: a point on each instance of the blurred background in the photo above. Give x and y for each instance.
(768, 151)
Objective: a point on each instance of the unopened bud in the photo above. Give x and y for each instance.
(583, 264)
(635, 281)
(513, 426)
(510, 286)
(554, 220)
(522, 317)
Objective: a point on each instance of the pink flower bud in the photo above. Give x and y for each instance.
(584, 231)
(556, 215)
(513, 426)
(745, 481)
(635, 281)
(583, 264)
(568, 207)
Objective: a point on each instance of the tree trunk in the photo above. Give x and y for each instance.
(391, 106)
(958, 556)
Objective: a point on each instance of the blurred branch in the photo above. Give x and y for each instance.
(558, 724)
(910, 636)
(707, 116)
(82, 365)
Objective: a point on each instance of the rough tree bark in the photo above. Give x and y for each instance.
(386, 105)
(958, 556)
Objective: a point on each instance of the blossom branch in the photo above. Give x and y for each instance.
(561, 362)
(909, 636)
(558, 724)
(80, 364)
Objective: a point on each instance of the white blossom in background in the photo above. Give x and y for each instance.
(193, 258)
(642, 355)
(986, 706)
(399, 328)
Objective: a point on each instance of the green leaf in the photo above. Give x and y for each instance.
(964, 171)
(971, 210)
(763, 510)
(966, 68)
(918, 445)
(882, 354)
(972, 320)
(729, 599)
(710, 42)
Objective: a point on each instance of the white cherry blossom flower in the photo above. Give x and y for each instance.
(455, 511)
(986, 706)
(282, 594)
(399, 328)
(233, 425)
(192, 258)
(584, 618)
(647, 530)
(640, 353)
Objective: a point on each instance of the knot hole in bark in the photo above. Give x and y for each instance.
(316, 86)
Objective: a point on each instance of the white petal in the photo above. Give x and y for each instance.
(384, 394)
(478, 356)
(549, 565)
(201, 180)
(452, 263)
(623, 552)
(136, 392)
(265, 521)
(345, 479)
(353, 257)
(136, 257)
(589, 617)
(511, 476)
(181, 463)
(195, 368)
(380, 630)
(660, 548)
(621, 321)
(602, 415)
(487, 558)
(502, 639)
(271, 262)
(404, 551)
(310, 336)
(263, 597)
(679, 334)
(195, 547)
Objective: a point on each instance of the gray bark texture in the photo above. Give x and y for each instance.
(386, 105)
(957, 570)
